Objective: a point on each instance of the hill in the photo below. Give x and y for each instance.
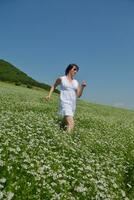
(10, 73)
(39, 160)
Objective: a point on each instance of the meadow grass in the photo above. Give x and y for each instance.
(40, 161)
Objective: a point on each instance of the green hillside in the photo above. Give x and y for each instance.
(10, 73)
(40, 161)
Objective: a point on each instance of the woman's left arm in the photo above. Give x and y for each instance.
(80, 89)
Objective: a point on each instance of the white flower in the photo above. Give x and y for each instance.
(18, 149)
(80, 188)
(1, 186)
(10, 195)
(3, 180)
(1, 195)
(1, 163)
(62, 181)
(123, 193)
(115, 185)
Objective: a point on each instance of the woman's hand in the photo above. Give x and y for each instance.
(47, 98)
(83, 84)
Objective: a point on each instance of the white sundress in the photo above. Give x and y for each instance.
(68, 96)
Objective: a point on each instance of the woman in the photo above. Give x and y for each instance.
(70, 90)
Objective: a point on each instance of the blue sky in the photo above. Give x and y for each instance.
(41, 37)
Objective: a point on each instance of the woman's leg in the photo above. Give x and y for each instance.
(69, 121)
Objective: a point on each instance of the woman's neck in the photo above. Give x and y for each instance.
(70, 77)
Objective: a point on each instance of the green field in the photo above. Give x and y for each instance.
(40, 161)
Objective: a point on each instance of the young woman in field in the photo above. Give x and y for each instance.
(69, 91)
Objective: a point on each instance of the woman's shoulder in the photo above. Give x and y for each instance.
(62, 77)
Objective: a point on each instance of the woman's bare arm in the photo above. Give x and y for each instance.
(53, 87)
(80, 89)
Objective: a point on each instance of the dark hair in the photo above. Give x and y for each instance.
(69, 67)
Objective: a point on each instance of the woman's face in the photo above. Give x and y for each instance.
(73, 71)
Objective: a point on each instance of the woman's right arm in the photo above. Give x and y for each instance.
(57, 82)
